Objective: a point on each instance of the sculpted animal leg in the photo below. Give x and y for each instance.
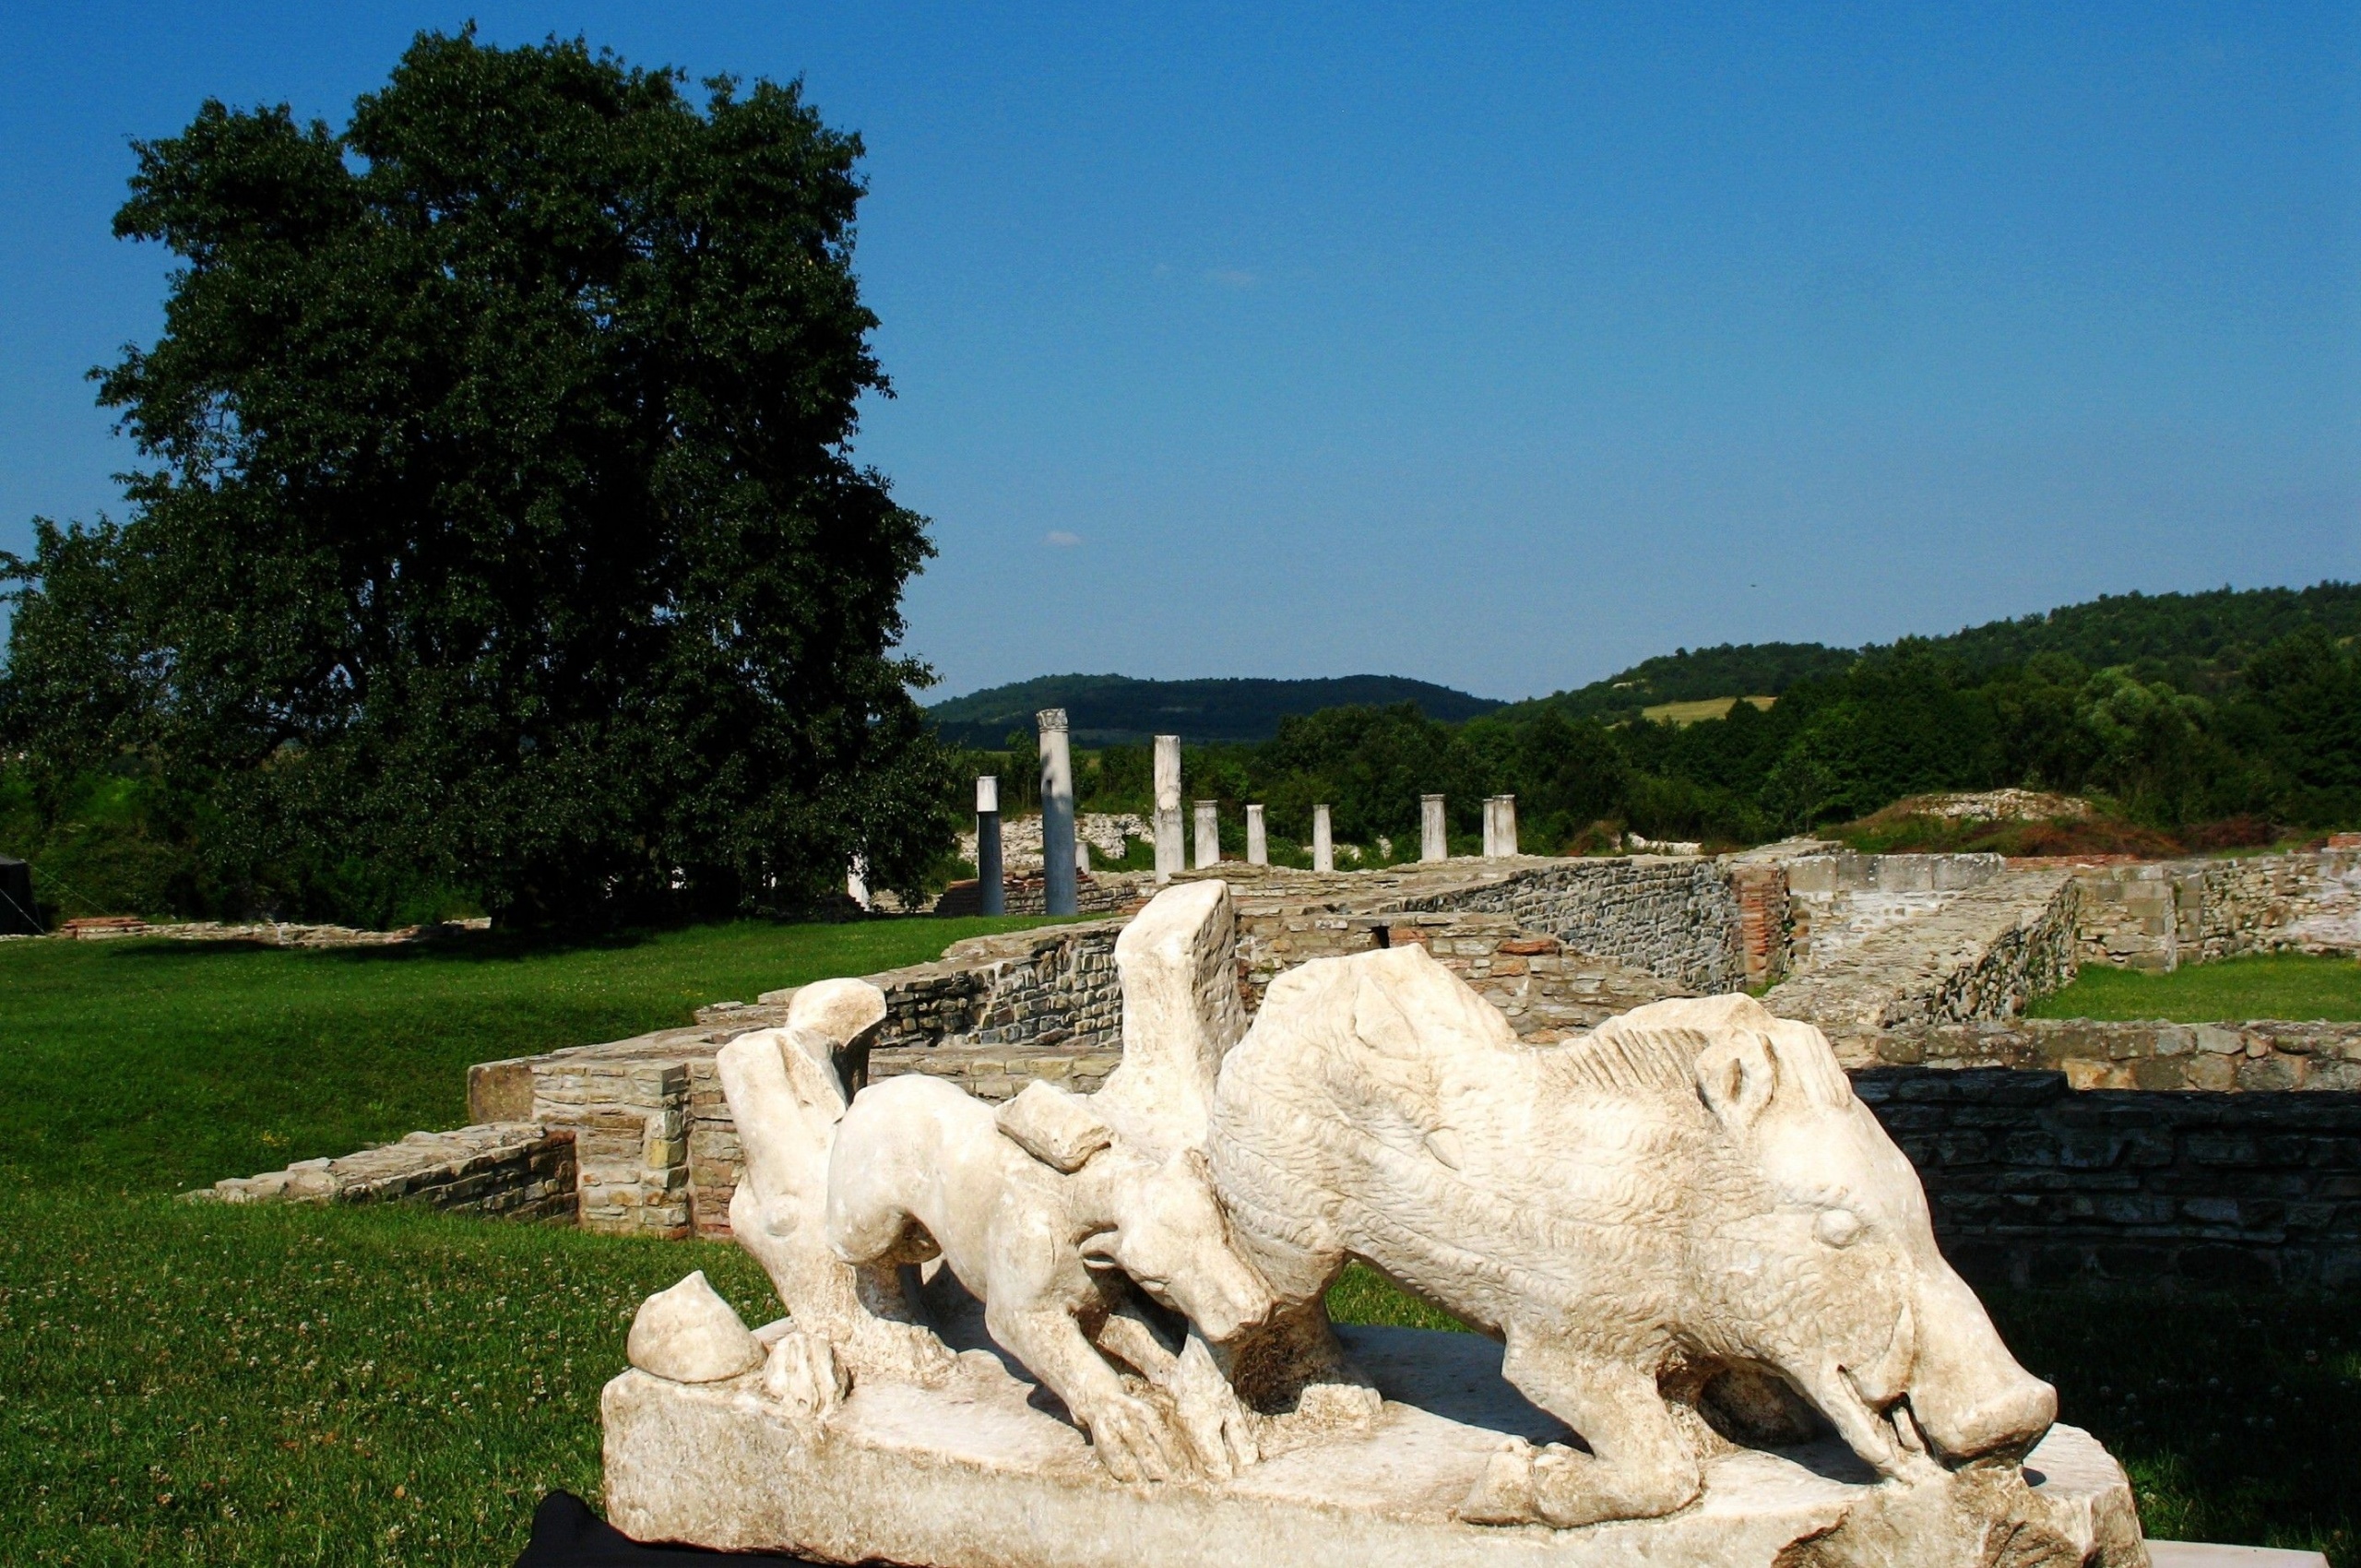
(1127, 1433)
(1205, 1407)
(1639, 1466)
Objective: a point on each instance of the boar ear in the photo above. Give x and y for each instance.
(1735, 1077)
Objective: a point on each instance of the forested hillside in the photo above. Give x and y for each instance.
(1116, 709)
(2221, 718)
(2196, 641)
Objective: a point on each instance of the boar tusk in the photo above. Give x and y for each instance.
(1905, 1426)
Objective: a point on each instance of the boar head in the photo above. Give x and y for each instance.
(1824, 1269)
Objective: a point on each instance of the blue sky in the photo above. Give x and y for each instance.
(1499, 347)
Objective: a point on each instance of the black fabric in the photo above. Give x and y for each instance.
(567, 1535)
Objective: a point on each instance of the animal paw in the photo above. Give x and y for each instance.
(1503, 1493)
(802, 1373)
(1207, 1411)
(1131, 1441)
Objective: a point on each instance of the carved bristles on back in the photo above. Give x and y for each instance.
(1655, 1047)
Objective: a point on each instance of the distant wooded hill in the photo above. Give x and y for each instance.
(1107, 710)
(2196, 641)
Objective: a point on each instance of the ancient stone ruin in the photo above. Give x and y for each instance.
(2047, 1153)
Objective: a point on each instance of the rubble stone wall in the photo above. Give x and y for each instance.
(2160, 915)
(2035, 1183)
(1989, 952)
(1838, 901)
(1675, 916)
(2259, 1055)
(509, 1170)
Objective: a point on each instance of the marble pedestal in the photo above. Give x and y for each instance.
(979, 1473)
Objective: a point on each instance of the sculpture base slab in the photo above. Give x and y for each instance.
(978, 1474)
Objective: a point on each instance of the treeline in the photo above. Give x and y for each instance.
(2195, 642)
(2274, 738)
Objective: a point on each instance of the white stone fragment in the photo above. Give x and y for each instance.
(688, 1333)
(1054, 1126)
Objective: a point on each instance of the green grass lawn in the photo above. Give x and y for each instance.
(160, 1065)
(196, 1383)
(2272, 985)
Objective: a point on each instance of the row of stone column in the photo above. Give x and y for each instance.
(1500, 828)
(1063, 855)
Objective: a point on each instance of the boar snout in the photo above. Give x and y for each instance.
(1969, 1396)
(2004, 1423)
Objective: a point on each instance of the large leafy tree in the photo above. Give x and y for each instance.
(500, 526)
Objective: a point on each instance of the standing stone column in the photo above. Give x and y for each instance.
(1208, 833)
(1324, 848)
(1258, 845)
(1434, 843)
(1169, 851)
(1499, 827)
(1056, 812)
(992, 887)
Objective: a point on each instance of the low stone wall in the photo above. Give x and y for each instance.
(2159, 915)
(1991, 950)
(1674, 916)
(1095, 893)
(269, 933)
(1839, 900)
(1051, 986)
(2033, 1183)
(508, 1169)
(1546, 991)
(2261, 1055)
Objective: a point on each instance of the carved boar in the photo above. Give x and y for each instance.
(1692, 1187)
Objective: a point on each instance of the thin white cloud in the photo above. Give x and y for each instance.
(1232, 277)
(1062, 539)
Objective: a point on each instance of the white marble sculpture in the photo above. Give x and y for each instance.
(1690, 1191)
(1089, 1330)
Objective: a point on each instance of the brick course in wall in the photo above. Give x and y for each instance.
(2032, 1182)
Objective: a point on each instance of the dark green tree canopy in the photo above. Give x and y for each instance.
(501, 527)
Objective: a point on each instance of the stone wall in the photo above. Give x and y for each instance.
(2159, 915)
(2258, 1055)
(1557, 944)
(1990, 950)
(1095, 893)
(1839, 900)
(2032, 1182)
(1672, 916)
(509, 1170)
(1546, 990)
